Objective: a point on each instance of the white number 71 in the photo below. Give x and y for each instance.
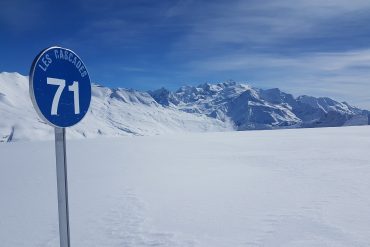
(61, 85)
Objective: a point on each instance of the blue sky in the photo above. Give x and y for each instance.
(316, 47)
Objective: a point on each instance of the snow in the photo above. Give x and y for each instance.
(303, 187)
(252, 108)
(113, 112)
(208, 107)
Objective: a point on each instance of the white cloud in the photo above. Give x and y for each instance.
(259, 23)
(322, 61)
(272, 43)
(345, 75)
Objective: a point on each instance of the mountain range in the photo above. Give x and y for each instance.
(251, 108)
(208, 107)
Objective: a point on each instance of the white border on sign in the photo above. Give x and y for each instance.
(32, 92)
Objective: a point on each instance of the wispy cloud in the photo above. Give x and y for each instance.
(318, 47)
(261, 23)
(306, 47)
(322, 61)
(345, 75)
(20, 15)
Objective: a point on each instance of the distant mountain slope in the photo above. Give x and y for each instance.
(251, 108)
(113, 112)
(207, 107)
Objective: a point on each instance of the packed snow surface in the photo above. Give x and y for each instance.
(303, 187)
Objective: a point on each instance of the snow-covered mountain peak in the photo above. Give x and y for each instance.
(326, 104)
(252, 108)
(113, 112)
(207, 107)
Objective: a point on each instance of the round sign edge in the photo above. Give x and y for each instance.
(32, 92)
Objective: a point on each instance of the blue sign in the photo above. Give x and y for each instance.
(60, 87)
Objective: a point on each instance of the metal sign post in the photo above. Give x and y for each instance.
(62, 184)
(60, 91)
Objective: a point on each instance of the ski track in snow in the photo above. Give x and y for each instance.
(124, 225)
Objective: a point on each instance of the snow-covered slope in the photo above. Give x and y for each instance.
(252, 108)
(207, 107)
(113, 112)
(285, 188)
